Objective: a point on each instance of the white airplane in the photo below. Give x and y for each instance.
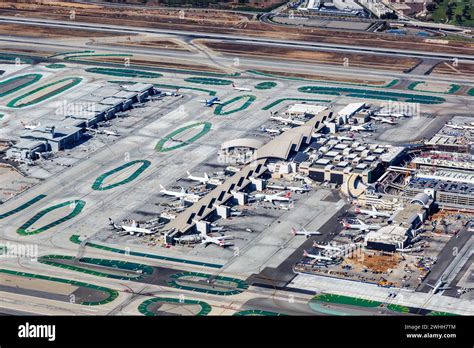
(316, 257)
(391, 114)
(202, 180)
(189, 197)
(384, 120)
(172, 94)
(211, 101)
(305, 233)
(326, 247)
(108, 132)
(302, 189)
(372, 213)
(362, 128)
(287, 121)
(281, 197)
(104, 131)
(217, 228)
(360, 226)
(241, 89)
(276, 187)
(439, 286)
(220, 241)
(272, 131)
(30, 126)
(132, 230)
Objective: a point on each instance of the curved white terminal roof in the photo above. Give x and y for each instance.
(421, 198)
(242, 142)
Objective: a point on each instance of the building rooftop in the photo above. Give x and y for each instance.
(421, 183)
(306, 109)
(137, 87)
(388, 234)
(350, 109)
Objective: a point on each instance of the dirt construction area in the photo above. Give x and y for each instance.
(12, 182)
(454, 69)
(359, 60)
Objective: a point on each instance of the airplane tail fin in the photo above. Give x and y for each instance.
(315, 245)
(305, 253)
(206, 176)
(293, 231)
(288, 194)
(113, 224)
(187, 172)
(162, 187)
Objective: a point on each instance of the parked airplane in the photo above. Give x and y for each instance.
(391, 114)
(217, 228)
(132, 230)
(362, 128)
(104, 131)
(316, 257)
(172, 94)
(241, 89)
(359, 226)
(302, 189)
(211, 101)
(305, 233)
(30, 126)
(287, 121)
(220, 241)
(281, 196)
(372, 213)
(439, 286)
(271, 131)
(276, 187)
(202, 180)
(384, 120)
(326, 247)
(189, 197)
